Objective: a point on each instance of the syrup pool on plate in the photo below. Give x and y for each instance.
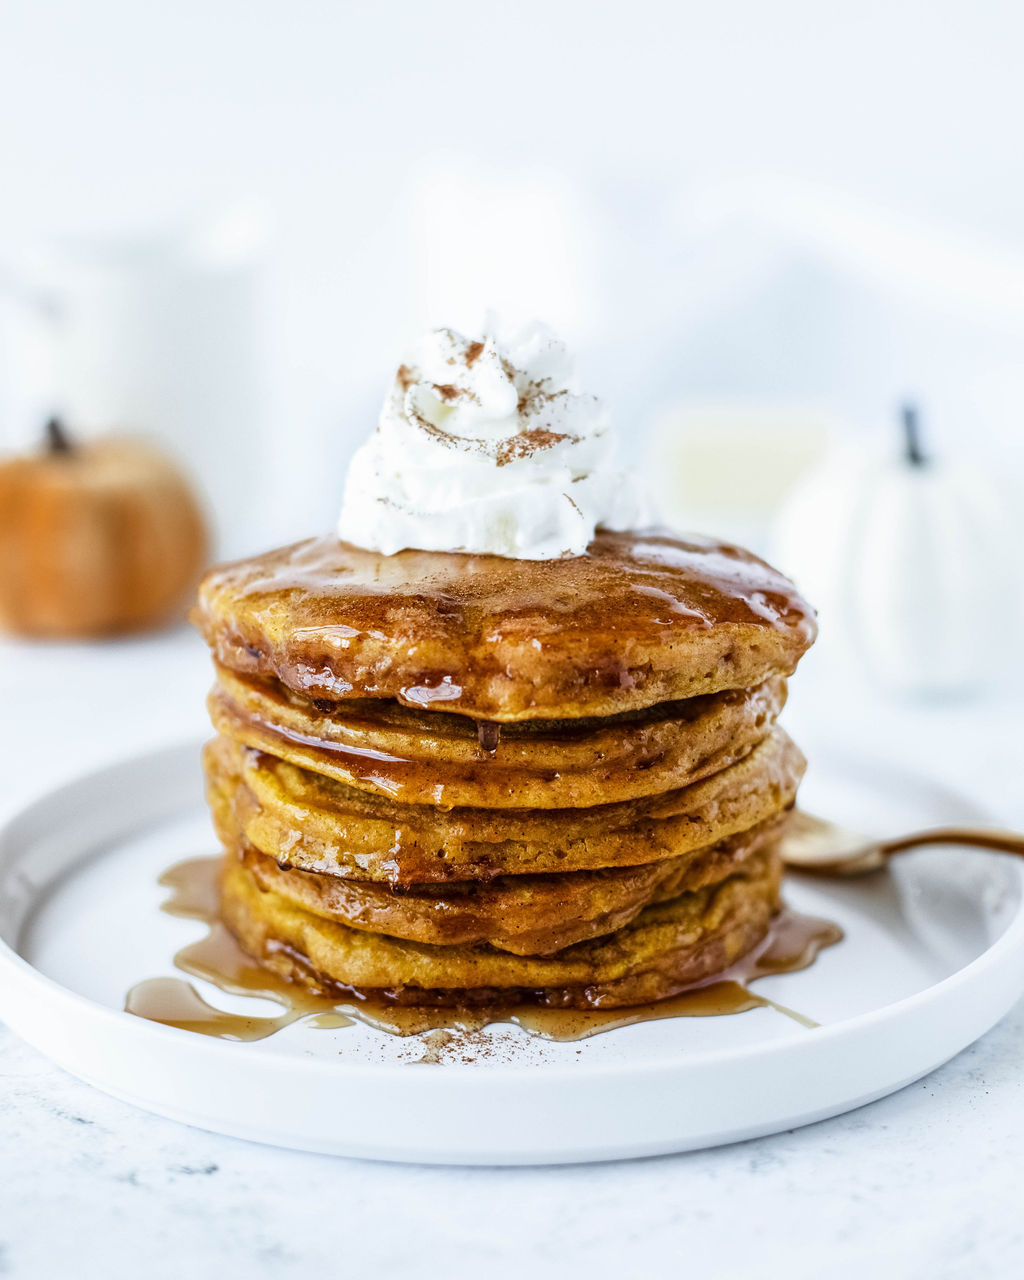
(793, 942)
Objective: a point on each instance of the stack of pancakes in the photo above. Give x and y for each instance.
(454, 780)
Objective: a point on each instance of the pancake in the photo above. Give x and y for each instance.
(642, 618)
(437, 758)
(314, 823)
(667, 947)
(526, 915)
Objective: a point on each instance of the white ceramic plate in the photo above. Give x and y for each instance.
(933, 957)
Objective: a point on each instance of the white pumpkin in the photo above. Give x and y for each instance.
(910, 560)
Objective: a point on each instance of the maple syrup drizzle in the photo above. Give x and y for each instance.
(545, 613)
(792, 943)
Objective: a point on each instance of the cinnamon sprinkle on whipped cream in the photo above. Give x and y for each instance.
(486, 446)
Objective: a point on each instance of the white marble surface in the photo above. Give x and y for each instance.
(922, 1184)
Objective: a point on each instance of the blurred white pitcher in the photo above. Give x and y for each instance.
(167, 336)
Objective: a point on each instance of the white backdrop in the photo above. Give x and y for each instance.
(790, 202)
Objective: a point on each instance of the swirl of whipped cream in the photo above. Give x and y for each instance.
(486, 446)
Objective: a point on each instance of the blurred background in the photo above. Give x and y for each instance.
(764, 228)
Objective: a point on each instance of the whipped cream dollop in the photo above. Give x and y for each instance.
(487, 446)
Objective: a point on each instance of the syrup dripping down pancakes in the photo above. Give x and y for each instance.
(450, 779)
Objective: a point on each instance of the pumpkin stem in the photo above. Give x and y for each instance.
(913, 452)
(57, 440)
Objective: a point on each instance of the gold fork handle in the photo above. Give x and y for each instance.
(977, 837)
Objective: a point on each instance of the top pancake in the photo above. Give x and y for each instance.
(642, 618)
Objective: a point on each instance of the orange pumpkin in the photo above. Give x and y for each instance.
(96, 538)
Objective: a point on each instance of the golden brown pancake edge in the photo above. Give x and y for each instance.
(668, 947)
(660, 749)
(316, 824)
(642, 618)
(526, 914)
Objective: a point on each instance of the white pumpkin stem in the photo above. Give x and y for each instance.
(57, 440)
(913, 452)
